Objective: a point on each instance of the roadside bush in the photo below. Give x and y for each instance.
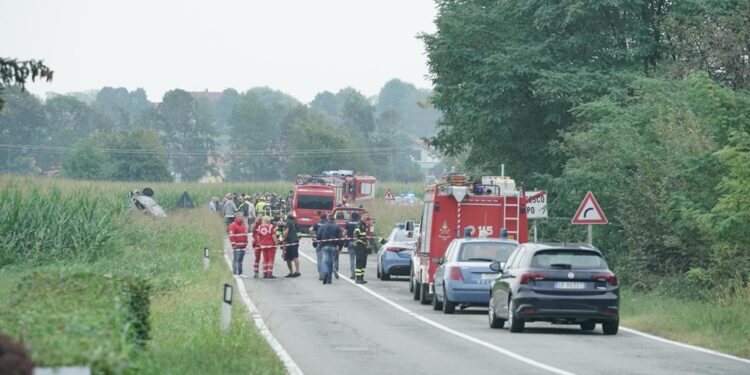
(80, 319)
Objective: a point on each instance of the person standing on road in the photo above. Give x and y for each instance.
(230, 209)
(314, 230)
(360, 233)
(260, 207)
(267, 246)
(291, 254)
(238, 241)
(256, 244)
(329, 238)
(351, 225)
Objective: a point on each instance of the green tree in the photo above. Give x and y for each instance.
(327, 147)
(137, 156)
(121, 106)
(507, 73)
(223, 108)
(86, 162)
(15, 73)
(256, 127)
(418, 116)
(185, 126)
(70, 120)
(24, 129)
(651, 160)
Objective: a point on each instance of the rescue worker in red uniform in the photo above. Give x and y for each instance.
(265, 233)
(238, 240)
(256, 245)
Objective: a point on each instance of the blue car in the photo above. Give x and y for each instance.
(394, 257)
(464, 276)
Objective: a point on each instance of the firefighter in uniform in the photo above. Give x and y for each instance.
(360, 234)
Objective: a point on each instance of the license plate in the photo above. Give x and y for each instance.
(570, 285)
(489, 276)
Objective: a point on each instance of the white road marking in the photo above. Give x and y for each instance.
(291, 366)
(687, 346)
(452, 331)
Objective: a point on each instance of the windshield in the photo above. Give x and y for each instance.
(399, 235)
(567, 259)
(314, 202)
(485, 252)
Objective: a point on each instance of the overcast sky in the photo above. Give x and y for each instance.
(300, 47)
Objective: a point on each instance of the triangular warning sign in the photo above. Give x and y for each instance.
(389, 195)
(589, 212)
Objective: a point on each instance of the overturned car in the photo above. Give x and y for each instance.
(144, 202)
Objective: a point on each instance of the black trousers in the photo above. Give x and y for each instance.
(360, 259)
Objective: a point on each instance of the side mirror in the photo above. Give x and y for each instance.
(497, 266)
(437, 260)
(383, 241)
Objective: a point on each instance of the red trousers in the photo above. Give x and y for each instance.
(256, 260)
(269, 253)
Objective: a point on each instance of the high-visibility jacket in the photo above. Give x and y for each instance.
(260, 207)
(360, 233)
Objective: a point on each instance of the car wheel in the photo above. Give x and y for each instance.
(424, 297)
(436, 305)
(377, 272)
(514, 324)
(588, 326)
(385, 276)
(448, 306)
(411, 282)
(611, 327)
(415, 292)
(494, 321)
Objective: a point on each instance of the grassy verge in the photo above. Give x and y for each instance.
(725, 328)
(387, 215)
(185, 298)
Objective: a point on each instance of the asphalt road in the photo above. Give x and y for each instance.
(379, 329)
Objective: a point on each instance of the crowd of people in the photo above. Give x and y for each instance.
(262, 224)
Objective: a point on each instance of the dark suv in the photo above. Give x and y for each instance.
(558, 283)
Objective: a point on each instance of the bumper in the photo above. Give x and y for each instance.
(397, 266)
(568, 309)
(475, 294)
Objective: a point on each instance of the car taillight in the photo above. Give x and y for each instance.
(456, 275)
(395, 249)
(611, 279)
(524, 279)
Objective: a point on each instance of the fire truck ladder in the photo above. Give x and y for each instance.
(516, 219)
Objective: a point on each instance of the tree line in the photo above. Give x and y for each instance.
(260, 134)
(644, 102)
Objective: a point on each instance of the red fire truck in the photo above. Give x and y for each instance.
(457, 208)
(310, 201)
(351, 186)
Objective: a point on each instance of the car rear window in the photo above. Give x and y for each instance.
(567, 259)
(314, 202)
(403, 236)
(485, 252)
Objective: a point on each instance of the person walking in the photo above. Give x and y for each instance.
(213, 206)
(238, 241)
(360, 233)
(351, 245)
(230, 209)
(314, 230)
(256, 244)
(330, 238)
(291, 253)
(267, 246)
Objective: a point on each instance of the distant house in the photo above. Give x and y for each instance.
(212, 96)
(426, 158)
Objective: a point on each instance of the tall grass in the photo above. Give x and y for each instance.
(41, 225)
(722, 327)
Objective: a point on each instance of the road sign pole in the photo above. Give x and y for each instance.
(590, 241)
(535, 231)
